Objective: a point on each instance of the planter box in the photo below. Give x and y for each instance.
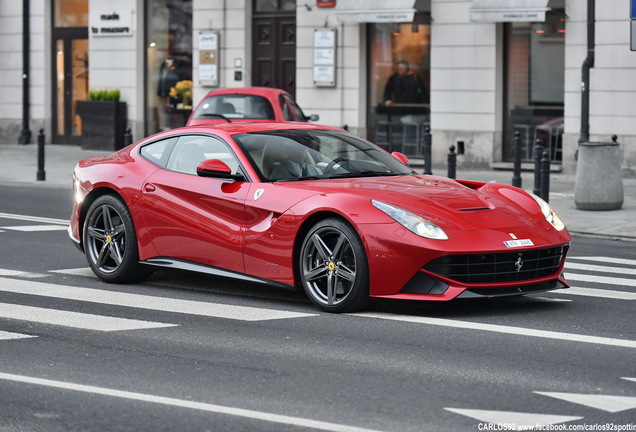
(103, 124)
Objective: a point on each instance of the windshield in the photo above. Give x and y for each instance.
(287, 155)
(235, 106)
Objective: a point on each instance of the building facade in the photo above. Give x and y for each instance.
(472, 72)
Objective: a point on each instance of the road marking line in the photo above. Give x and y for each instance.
(4, 335)
(600, 269)
(180, 403)
(35, 228)
(610, 260)
(629, 379)
(33, 219)
(550, 299)
(19, 273)
(75, 319)
(603, 402)
(82, 271)
(243, 313)
(569, 276)
(592, 292)
(520, 331)
(519, 419)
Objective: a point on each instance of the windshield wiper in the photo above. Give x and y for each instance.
(364, 174)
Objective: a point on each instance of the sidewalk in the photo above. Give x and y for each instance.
(18, 166)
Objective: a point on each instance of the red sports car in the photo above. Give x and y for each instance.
(314, 207)
(247, 104)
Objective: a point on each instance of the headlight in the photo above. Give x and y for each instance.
(413, 223)
(549, 213)
(77, 191)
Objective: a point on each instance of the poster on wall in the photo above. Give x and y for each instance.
(325, 57)
(209, 58)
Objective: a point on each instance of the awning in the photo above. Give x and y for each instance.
(374, 11)
(509, 10)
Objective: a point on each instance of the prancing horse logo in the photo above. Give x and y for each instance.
(519, 264)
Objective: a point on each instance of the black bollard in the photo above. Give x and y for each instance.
(128, 137)
(452, 162)
(41, 174)
(516, 173)
(538, 151)
(428, 151)
(545, 177)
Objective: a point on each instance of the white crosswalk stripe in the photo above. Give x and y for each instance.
(608, 274)
(34, 219)
(43, 224)
(74, 319)
(115, 298)
(34, 228)
(5, 335)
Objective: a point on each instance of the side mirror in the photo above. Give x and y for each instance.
(313, 118)
(218, 169)
(401, 157)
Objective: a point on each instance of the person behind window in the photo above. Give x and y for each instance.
(404, 86)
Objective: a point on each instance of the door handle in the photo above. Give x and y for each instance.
(149, 187)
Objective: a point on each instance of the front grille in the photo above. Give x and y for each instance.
(499, 267)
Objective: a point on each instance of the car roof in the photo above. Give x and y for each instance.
(237, 128)
(258, 91)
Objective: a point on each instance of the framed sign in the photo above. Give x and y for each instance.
(209, 58)
(325, 57)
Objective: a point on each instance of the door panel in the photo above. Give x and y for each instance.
(195, 218)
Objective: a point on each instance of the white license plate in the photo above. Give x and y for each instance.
(518, 243)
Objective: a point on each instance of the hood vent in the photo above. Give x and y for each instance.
(475, 209)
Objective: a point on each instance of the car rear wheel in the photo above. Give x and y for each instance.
(110, 242)
(333, 267)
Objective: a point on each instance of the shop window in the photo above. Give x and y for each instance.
(168, 63)
(535, 77)
(399, 84)
(70, 13)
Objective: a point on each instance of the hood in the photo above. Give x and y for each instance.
(445, 202)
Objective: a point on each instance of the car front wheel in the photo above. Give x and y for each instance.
(333, 267)
(110, 243)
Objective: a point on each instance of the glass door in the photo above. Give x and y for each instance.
(71, 85)
(69, 67)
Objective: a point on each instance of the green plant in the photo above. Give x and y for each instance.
(104, 94)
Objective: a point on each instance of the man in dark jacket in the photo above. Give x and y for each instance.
(404, 86)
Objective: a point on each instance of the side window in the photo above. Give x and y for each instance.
(157, 152)
(191, 150)
(284, 106)
(297, 113)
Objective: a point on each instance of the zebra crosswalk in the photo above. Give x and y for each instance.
(610, 273)
(607, 278)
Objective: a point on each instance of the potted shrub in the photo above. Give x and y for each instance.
(104, 119)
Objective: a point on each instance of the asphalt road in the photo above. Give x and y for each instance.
(196, 353)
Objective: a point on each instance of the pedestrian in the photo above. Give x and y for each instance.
(404, 86)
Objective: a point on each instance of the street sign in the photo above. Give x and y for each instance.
(632, 11)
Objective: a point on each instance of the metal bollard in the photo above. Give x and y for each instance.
(452, 162)
(41, 174)
(128, 139)
(428, 151)
(545, 177)
(516, 173)
(538, 151)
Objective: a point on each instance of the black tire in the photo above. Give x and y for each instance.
(333, 268)
(110, 242)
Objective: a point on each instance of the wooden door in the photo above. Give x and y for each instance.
(274, 48)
